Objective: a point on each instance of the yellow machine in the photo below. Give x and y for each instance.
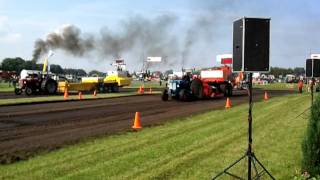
(110, 83)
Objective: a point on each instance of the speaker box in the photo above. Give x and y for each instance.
(251, 45)
(313, 68)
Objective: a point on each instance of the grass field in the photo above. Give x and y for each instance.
(284, 86)
(4, 87)
(147, 84)
(196, 147)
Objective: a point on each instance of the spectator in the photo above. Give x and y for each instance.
(300, 86)
(14, 81)
(310, 85)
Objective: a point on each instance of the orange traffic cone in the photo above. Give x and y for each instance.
(80, 95)
(137, 124)
(66, 94)
(142, 89)
(228, 103)
(95, 93)
(266, 97)
(150, 91)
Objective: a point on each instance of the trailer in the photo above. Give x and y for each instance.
(111, 83)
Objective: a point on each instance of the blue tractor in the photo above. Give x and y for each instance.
(178, 89)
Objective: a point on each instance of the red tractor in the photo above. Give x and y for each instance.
(211, 83)
(35, 82)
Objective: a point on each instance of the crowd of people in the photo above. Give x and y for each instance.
(311, 83)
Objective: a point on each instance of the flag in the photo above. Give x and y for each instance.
(45, 64)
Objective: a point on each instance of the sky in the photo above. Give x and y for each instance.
(188, 33)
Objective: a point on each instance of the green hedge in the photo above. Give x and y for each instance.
(311, 142)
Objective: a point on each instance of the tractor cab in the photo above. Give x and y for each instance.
(173, 87)
(178, 89)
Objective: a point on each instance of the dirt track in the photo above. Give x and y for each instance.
(28, 129)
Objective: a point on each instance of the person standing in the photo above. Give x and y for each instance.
(311, 84)
(300, 86)
(14, 81)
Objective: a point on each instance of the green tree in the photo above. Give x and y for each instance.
(276, 71)
(96, 73)
(13, 64)
(311, 142)
(290, 71)
(81, 72)
(31, 65)
(57, 69)
(299, 71)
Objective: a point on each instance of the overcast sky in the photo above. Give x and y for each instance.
(185, 40)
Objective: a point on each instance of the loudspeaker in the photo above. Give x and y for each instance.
(313, 68)
(251, 45)
(309, 67)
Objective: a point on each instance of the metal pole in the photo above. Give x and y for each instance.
(311, 88)
(311, 95)
(251, 157)
(250, 127)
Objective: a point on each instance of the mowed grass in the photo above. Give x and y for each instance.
(283, 86)
(147, 84)
(196, 147)
(4, 87)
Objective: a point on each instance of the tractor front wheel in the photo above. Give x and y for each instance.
(101, 88)
(115, 88)
(17, 91)
(165, 95)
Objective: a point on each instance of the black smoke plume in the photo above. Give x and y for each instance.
(153, 36)
(68, 38)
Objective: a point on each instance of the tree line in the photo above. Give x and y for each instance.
(277, 71)
(17, 64)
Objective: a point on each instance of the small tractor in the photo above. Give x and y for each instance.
(211, 83)
(35, 82)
